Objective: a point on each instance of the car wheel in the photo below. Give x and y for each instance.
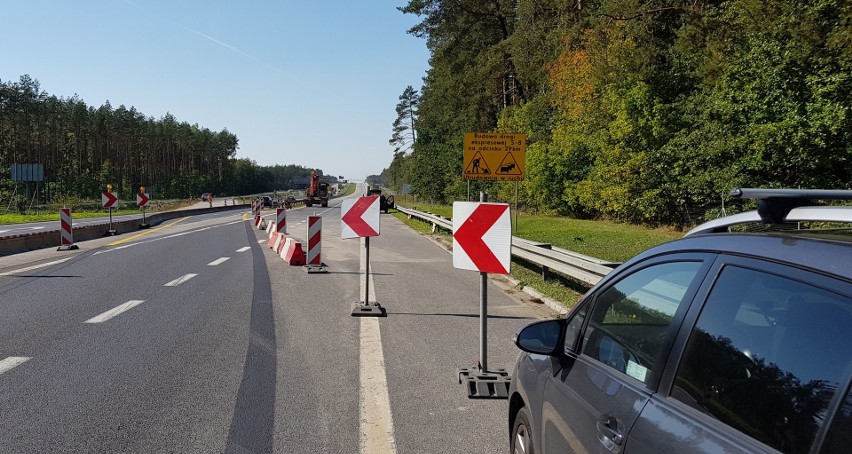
(521, 434)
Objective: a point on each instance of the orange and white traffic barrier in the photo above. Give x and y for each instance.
(295, 255)
(314, 241)
(66, 230)
(279, 240)
(284, 247)
(270, 229)
(272, 240)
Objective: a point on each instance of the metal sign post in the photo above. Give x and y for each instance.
(367, 270)
(359, 218)
(142, 201)
(110, 200)
(471, 223)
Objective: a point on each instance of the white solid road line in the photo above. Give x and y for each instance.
(34, 267)
(376, 420)
(12, 362)
(218, 261)
(243, 249)
(180, 280)
(114, 311)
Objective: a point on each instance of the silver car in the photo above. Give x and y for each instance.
(717, 342)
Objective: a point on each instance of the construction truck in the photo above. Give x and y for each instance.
(317, 192)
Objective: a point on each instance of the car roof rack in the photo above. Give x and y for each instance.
(776, 206)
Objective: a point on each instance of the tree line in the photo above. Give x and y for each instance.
(83, 148)
(642, 111)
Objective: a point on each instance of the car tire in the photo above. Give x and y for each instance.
(521, 442)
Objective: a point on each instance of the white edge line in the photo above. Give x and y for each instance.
(35, 267)
(114, 311)
(377, 434)
(13, 362)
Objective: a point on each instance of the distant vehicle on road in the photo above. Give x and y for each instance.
(266, 200)
(385, 202)
(723, 341)
(205, 197)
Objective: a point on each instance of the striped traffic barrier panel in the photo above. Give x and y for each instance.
(270, 229)
(314, 255)
(66, 230)
(281, 221)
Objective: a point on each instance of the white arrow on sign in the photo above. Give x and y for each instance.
(482, 237)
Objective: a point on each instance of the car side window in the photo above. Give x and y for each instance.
(766, 356)
(629, 322)
(574, 328)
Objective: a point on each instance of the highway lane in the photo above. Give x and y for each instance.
(158, 377)
(248, 355)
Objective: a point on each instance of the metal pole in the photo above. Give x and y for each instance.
(110, 219)
(483, 311)
(516, 209)
(367, 272)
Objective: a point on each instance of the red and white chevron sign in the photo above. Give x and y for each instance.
(359, 217)
(142, 199)
(482, 237)
(109, 199)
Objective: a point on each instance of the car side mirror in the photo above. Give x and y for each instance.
(541, 338)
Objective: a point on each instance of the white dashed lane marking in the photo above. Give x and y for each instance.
(243, 249)
(114, 311)
(180, 280)
(12, 362)
(218, 261)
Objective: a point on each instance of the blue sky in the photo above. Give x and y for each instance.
(313, 83)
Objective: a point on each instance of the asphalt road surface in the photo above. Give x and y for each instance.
(195, 337)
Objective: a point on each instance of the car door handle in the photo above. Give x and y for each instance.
(608, 427)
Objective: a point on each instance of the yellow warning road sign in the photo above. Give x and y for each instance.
(494, 156)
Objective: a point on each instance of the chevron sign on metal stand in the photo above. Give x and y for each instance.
(359, 217)
(142, 199)
(482, 237)
(109, 199)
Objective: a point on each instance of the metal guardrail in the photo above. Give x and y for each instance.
(583, 268)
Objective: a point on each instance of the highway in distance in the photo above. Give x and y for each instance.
(194, 336)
